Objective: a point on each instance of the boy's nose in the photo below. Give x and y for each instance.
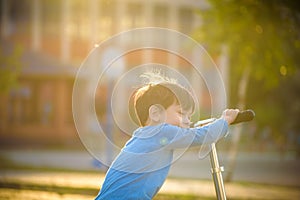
(186, 121)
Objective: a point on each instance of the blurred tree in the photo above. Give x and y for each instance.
(10, 67)
(262, 39)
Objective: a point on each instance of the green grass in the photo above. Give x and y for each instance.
(88, 192)
(84, 193)
(80, 191)
(48, 188)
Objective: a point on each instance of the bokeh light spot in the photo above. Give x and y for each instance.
(259, 29)
(163, 141)
(283, 70)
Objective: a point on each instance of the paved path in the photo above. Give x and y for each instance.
(251, 167)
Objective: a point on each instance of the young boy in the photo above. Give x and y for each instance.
(163, 110)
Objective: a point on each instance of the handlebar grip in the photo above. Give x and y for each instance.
(244, 116)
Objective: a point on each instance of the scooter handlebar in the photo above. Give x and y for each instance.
(243, 116)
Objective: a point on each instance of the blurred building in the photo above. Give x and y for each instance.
(56, 36)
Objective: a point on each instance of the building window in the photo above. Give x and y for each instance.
(186, 20)
(135, 15)
(68, 105)
(161, 13)
(50, 17)
(19, 106)
(46, 98)
(106, 18)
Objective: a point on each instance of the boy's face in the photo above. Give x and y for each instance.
(174, 115)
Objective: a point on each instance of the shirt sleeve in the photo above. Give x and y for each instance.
(176, 137)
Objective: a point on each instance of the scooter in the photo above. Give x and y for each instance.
(216, 169)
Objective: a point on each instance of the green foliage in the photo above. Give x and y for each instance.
(263, 36)
(10, 66)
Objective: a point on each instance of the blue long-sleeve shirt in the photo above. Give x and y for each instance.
(142, 166)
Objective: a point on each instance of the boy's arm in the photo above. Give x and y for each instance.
(207, 134)
(183, 137)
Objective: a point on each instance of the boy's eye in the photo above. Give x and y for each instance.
(189, 116)
(181, 113)
(184, 114)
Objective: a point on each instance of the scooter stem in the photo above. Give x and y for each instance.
(216, 171)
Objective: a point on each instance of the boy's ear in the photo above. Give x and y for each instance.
(155, 112)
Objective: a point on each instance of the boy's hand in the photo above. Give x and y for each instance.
(230, 114)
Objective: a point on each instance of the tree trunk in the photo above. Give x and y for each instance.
(236, 130)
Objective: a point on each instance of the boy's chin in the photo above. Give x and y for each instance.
(182, 125)
(185, 126)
